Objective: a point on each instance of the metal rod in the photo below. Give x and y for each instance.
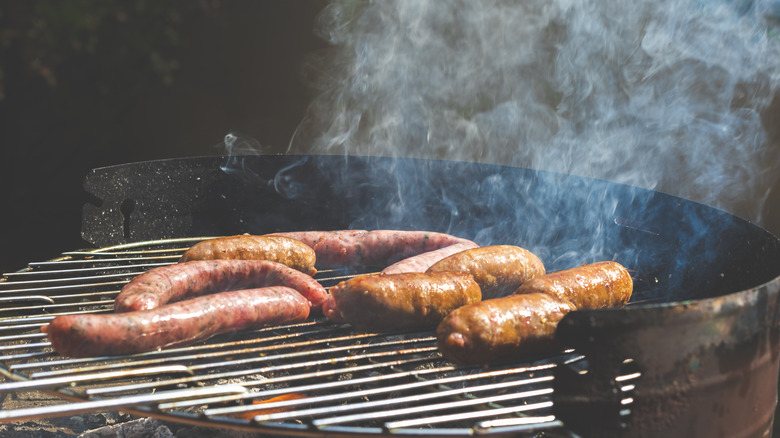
(13, 415)
(89, 378)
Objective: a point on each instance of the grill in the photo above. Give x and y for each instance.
(310, 376)
(700, 335)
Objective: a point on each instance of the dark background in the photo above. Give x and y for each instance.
(91, 83)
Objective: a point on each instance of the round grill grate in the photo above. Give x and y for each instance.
(308, 379)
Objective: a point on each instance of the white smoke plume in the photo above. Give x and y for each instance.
(670, 95)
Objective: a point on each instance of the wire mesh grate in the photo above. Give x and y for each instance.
(305, 379)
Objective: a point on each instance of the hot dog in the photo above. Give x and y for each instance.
(591, 286)
(181, 323)
(280, 249)
(370, 248)
(165, 284)
(382, 302)
(505, 327)
(421, 262)
(499, 270)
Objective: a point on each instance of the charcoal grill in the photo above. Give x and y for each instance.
(694, 353)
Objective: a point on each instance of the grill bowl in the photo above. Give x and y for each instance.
(695, 268)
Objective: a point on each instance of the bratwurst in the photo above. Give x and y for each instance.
(412, 300)
(509, 326)
(499, 269)
(159, 286)
(524, 323)
(370, 248)
(280, 249)
(591, 286)
(181, 323)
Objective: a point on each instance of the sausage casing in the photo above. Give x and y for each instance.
(280, 249)
(506, 327)
(164, 284)
(181, 323)
(499, 269)
(591, 286)
(382, 302)
(370, 248)
(421, 262)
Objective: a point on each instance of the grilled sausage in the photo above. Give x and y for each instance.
(524, 323)
(175, 282)
(499, 270)
(591, 286)
(382, 302)
(181, 323)
(421, 262)
(507, 327)
(370, 248)
(280, 249)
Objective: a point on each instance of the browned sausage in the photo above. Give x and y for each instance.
(383, 302)
(181, 323)
(421, 262)
(499, 270)
(179, 281)
(601, 284)
(280, 249)
(506, 327)
(524, 323)
(370, 248)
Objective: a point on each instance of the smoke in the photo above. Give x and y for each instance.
(667, 95)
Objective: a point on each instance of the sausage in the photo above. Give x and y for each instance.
(370, 248)
(524, 323)
(413, 300)
(499, 270)
(332, 248)
(179, 281)
(421, 262)
(181, 323)
(591, 286)
(508, 327)
(280, 249)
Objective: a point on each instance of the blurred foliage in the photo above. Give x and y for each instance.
(114, 44)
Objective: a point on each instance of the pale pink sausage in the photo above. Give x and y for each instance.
(181, 323)
(371, 248)
(165, 284)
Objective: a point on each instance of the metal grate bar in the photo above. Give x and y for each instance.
(51, 285)
(22, 274)
(84, 378)
(110, 255)
(92, 261)
(104, 404)
(48, 306)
